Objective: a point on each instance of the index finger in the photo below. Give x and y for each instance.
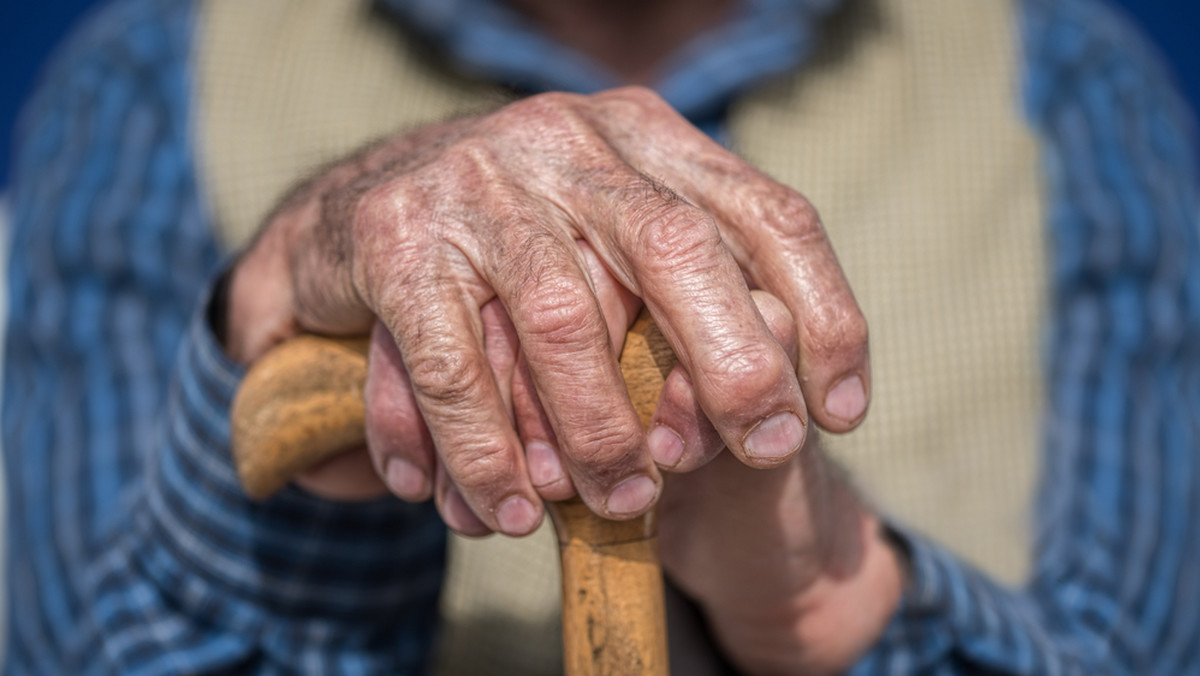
(565, 342)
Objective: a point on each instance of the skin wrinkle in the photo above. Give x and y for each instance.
(558, 316)
(554, 318)
(662, 234)
(600, 433)
(481, 464)
(798, 225)
(790, 221)
(524, 253)
(803, 203)
(313, 300)
(501, 347)
(632, 150)
(664, 191)
(829, 325)
(671, 237)
(742, 369)
(532, 418)
(447, 377)
(527, 244)
(471, 161)
(344, 194)
(432, 329)
(723, 367)
(831, 328)
(656, 119)
(607, 443)
(539, 252)
(412, 272)
(606, 190)
(490, 208)
(462, 239)
(474, 163)
(782, 328)
(737, 179)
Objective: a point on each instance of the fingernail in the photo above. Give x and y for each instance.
(405, 479)
(516, 516)
(847, 400)
(632, 496)
(776, 437)
(544, 466)
(666, 447)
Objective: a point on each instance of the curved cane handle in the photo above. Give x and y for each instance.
(302, 404)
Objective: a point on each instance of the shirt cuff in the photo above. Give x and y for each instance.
(293, 556)
(953, 618)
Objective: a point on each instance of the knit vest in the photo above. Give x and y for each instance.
(904, 129)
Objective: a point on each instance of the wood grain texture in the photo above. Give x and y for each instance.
(614, 619)
(614, 616)
(302, 404)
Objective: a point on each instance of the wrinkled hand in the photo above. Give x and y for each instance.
(464, 241)
(788, 565)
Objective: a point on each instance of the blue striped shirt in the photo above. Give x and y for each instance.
(133, 551)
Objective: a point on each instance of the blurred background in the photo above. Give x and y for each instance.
(29, 32)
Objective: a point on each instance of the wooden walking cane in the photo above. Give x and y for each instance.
(302, 403)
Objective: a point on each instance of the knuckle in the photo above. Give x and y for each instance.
(781, 210)
(482, 466)
(798, 226)
(559, 312)
(674, 231)
(623, 109)
(833, 330)
(796, 220)
(378, 204)
(448, 377)
(470, 161)
(391, 258)
(603, 448)
(643, 96)
(377, 210)
(746, 371)
(542, 114)
(549, 102)
(384, 219)
(794, 209)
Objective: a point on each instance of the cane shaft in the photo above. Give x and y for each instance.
(302, 404)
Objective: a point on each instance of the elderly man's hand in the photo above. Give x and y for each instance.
(790, 568)
(469, 233)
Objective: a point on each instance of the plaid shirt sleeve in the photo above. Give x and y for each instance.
(131, 548)
(1116, 575)
(132, 551)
